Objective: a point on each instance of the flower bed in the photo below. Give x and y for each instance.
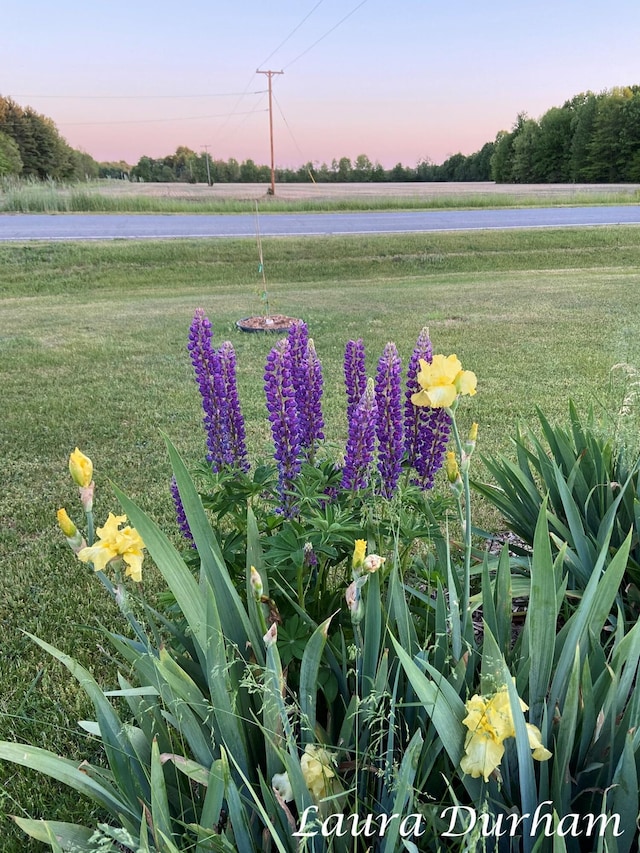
(315, 679)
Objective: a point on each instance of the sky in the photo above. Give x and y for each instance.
(401, 81)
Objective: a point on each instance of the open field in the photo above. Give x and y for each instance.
(122, 196)
(93, 353)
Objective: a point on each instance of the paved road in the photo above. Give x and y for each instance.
(22, 227)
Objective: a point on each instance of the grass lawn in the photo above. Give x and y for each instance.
(92, 346)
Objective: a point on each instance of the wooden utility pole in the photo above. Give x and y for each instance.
(270, 74)
(206, 148)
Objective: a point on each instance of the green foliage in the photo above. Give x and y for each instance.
(592, 489)
(145, 295)
(204, 720)
(37, 150)
(591, 138)
(10, 160)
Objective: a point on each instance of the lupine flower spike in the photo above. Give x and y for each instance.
(361, 442)
(283, 415)
(206, 364)
(389, 421)
(181, 517)
(426, 430)
(234, 421)
(355, 378)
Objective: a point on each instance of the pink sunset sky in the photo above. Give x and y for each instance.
(400, 81)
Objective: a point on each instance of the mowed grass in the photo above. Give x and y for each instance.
(93, 353)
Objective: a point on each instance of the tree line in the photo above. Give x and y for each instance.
(589, 139)
(187, 165)
(31, 146)
(592, 138)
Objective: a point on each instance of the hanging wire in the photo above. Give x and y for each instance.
(333, 29)
(265, 292)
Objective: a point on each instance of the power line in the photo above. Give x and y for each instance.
(335, 27)
(264, 62)
(150, 120)
(144, 97)
(286, 123)
(294, 30)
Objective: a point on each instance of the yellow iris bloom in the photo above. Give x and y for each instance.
(442, 381)
(66, 525)
(80, 468)
(451, 467)
(317, 766)
(359, 553)
(114, 544)
(490, 723)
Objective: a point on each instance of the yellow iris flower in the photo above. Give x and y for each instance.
(114, 544)
(66, 525)
(317, 766)
(451, 467)
(80, 468)
(442, 381)
(359, 553)
(490, 723)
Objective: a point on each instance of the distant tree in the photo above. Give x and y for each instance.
(344, 172)
(117, 170)
(248, 172)
(501, 157)
(480, 163)
(362, 168)
(398, 173)
(10, 161)
(604, 152)
(523, 152)
(630, 138)
(185, 165)
(426, 170)
(552, 155)
(583, 108)
(378, 173)
(84, 166)
(453, 168)
(322, 173)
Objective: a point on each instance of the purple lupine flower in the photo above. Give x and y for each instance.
(426, 430)
(283, 416)
(298, 339)
(355, 378)
(310, 412)
(361, 441)
(306, 375)
(181, 517)
(206, 363)
(234, 425)
(388, 387)
(431, 445)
